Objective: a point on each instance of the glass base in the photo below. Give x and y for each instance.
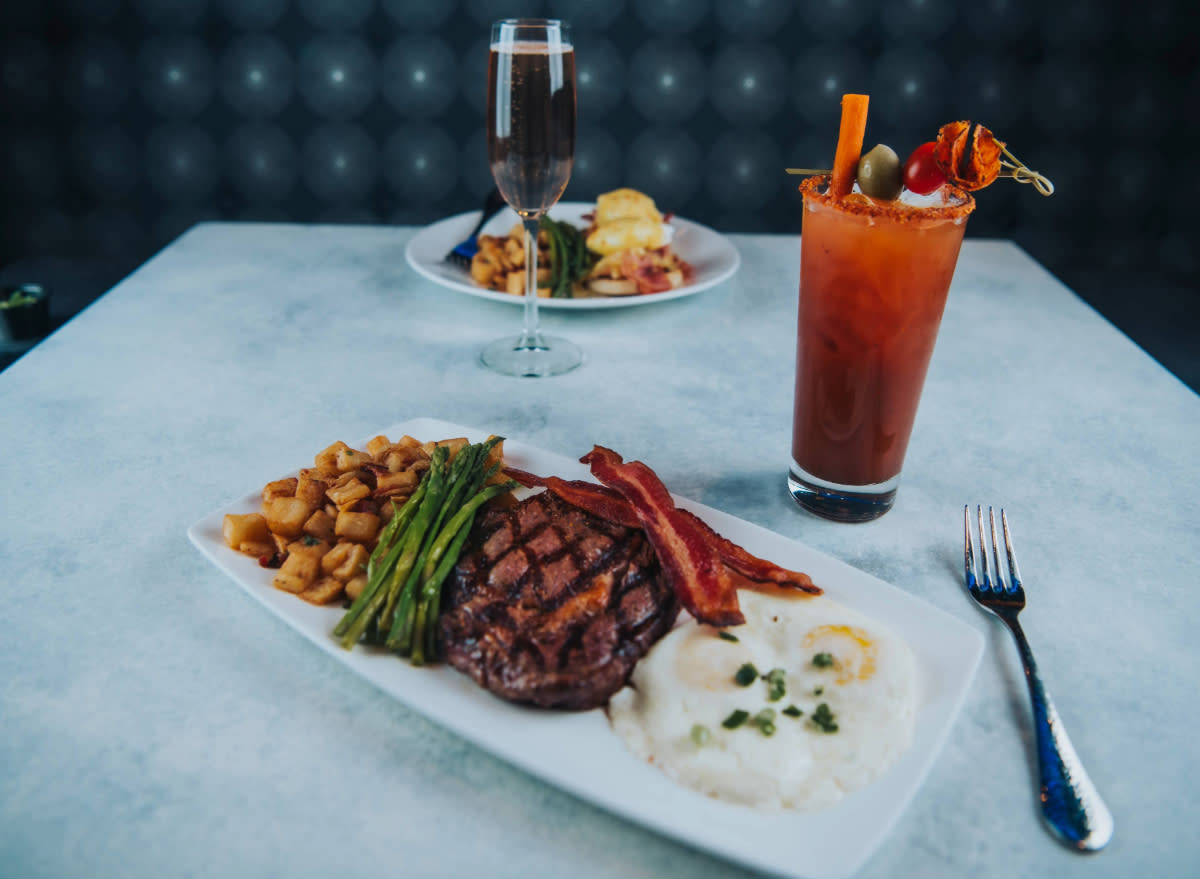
(841, 503)
(542, 356)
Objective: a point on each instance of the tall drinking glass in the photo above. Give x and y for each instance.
(531, 149)
(873, 282)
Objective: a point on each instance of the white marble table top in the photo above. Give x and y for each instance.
(156, 722)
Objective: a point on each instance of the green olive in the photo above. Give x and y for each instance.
(879, 173)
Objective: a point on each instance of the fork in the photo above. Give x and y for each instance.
(1070, 803)
(462, 252)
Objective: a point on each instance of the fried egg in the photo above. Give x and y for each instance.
(806, 702)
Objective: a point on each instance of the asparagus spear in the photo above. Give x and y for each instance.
(382, 560)
(449, 545)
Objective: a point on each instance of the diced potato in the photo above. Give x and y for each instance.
(399, 458)
(347, 489)
(455, 445)
(351, 459)
(326, 460)
(358, 527)
(239, 530)
(482, 270)
(289, 583)
(320, 526)
(311, 487)
(323, 591)
(305, 565)
(514, 283)
(258, 550)
(280, 488)
(355, 586)
(309, 546)
(514, 252)
(298, 570)
(404, 482)
(336, 555)
(345, 561)
(378, 444)
(286, 515)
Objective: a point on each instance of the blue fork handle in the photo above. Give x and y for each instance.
(1070, 802)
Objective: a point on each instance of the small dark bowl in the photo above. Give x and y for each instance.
(28, 320)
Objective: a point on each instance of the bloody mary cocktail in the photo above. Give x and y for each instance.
(874, 276)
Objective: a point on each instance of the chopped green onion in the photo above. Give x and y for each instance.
(792, 711)
(818, 691)
(823, 660)
(824, 719)
(765, 721)
(776, 688)
(746, 675)
(736, 719)
(727, 636)
(700, 734)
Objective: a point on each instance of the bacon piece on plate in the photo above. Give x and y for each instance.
(691, 562)
(751, 566)
(599, 500)
(602, 501)
(643, 271)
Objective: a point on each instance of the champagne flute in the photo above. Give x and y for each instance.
(531, 149)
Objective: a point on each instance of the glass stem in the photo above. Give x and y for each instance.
(531, 337)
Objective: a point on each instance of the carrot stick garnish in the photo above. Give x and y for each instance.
(849, 145)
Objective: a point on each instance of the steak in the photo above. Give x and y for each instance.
(552, 606)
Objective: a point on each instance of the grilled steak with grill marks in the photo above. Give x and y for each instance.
(552, 606)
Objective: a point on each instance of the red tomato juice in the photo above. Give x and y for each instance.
(873, 283)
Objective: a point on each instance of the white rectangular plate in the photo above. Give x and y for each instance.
(579, 753)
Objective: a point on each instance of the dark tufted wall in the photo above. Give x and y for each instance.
(125, 121)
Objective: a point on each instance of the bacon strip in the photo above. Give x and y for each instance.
(689, 560)
(599, 500)
(751, 566)
(602, 501)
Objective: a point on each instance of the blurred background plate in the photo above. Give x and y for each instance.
(711, 254)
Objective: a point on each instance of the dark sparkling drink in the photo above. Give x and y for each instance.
(531, 123)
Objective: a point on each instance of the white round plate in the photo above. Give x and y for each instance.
(711, 254)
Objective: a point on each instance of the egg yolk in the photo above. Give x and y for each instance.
(852, 650)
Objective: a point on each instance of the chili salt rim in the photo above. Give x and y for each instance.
(893, 210)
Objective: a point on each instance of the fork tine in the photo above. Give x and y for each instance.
(1000, 584)
(969, 551)
(983, 552)
(1014, 572)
